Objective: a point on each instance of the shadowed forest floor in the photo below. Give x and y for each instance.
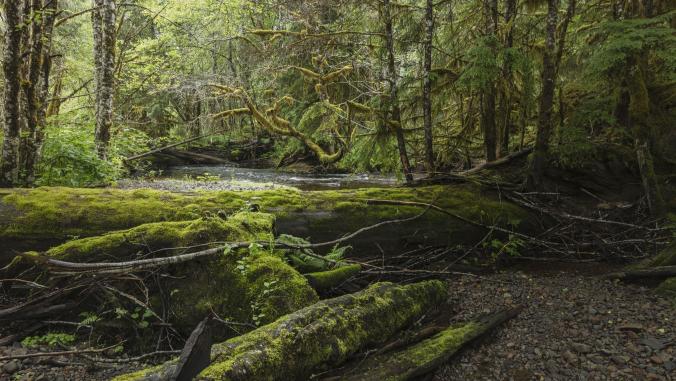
(575, 326)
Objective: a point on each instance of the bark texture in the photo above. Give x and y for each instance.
(394, 112)
(427, 87)
(11, 66)
(103, 25)
(544, 127)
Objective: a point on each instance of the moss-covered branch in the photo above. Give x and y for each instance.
(424, 357)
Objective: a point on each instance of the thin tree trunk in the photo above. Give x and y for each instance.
(427, 87)
(488, 95)
(395, 111)
(544, 129)
(12, 119)
(505, 106)
(104, 27)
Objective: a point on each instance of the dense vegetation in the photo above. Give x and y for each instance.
(361, 86)
(519, 133)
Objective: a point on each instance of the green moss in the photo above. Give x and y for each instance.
(668, 288)
(57, 213)
(326, 280)
(162, 235)
(325, 333)
(404, 364)
(666, 257)
(242, 285)
(316, 336)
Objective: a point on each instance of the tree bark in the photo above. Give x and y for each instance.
(11, 68)
(427, 87)
(544, 128)
(488, 92)
(505, 102)
(394, 110)
(103, 25)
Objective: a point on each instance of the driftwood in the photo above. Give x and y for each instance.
(161, 149)
(422, 358)
(317, 337)
(498, 162)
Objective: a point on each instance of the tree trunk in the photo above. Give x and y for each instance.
(505, 102)
(394, 110)
(103, 25)
(317, 337)
(488, 92)
(36, 86)
(544, 128)
(11, 67)
(427, 87)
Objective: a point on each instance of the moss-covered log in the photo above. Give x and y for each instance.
(415, 361)
(59, 213)
(316, 337)
(241, 285)
(324, 281)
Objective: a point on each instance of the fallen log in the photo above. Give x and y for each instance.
(422, 358)
(653, 272)
(316, 337)
(61, 213)
(224, 278)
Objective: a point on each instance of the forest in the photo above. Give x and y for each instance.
(338, 190)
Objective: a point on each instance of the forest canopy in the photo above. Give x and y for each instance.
(396, 87)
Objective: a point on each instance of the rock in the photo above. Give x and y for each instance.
(620, 360)
(653, 343)
(12, 367)
(570, 357)
(657, 359)
(581, 348)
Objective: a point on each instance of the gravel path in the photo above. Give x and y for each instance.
(574, 327)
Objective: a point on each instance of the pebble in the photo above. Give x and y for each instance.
(12, 366)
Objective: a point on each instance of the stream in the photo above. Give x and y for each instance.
(230, 177)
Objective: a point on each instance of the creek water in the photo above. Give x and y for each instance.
(304, 181)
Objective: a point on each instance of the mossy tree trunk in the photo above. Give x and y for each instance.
(11, 64)
(393, 111)
(104, 27)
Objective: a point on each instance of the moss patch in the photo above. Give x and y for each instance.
(326, 280)
(59, 213)
(247, 285)
(668, 288)
(326, 333)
